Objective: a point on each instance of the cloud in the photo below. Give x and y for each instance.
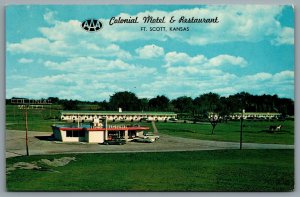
(150, 51)
(182, 61)
(237, 23)
(224, 83)
(173, 58)
(84, 86)
(247, 23)
(29, 46)
(49, 16)
(84, 78)
(25, 61)
(146, 83)
(24, 92)
(221, 60)
(67, 39)
(225, 91)
(44, 46)
(192, 75)
(89, 64)
(284, 75)
(259, 77)
(285, 36)
(281, 83)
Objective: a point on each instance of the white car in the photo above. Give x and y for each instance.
(151, 136)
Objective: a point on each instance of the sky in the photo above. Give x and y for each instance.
(48, 54)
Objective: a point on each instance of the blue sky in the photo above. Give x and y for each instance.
(48, 54)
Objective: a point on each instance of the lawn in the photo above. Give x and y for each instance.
(253, 131)
(221, 170)
(38, 119)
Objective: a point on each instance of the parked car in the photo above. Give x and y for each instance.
(173, 119)
(143, 140)
(151, 136)
(116, 141)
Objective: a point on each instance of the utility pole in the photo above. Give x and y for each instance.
(78, 120)
(106, 131)
(241, 133)
(26, 126)
(28, 104)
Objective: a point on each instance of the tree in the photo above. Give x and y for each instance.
(224, 110)
(54, 100)
(144, 104)
(159, 103)
(103, 105)
(70, 104)
(239, 101)
(183, 104)
(209, 102)
(128, 101)
(213, 119)
(286, 106)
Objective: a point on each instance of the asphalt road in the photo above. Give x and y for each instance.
(39, 145)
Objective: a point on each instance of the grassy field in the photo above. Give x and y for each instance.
(41, 120)
(222, 170)
(252, 131)
(38, 120)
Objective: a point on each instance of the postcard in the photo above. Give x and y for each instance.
(150, 98)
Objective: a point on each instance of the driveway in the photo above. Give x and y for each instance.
(39, 145)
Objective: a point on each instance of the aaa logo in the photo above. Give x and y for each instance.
(91, 25)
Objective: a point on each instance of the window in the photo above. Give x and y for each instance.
(72, 133)
(75, 134)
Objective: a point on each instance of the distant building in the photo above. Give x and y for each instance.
(256, 115)
(252, 115)
(89, 116)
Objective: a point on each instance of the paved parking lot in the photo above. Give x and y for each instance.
(38, 145)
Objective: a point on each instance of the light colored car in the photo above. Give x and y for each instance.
(143, 140)
(151, 136)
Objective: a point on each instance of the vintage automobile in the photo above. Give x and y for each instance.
(116, 141)
(146, 138)
(142, 140)
(151, 136)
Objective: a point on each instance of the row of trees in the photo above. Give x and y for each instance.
(209, 102)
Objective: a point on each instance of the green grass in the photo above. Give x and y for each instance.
(38, 120)
(221, 170)
(253, 131)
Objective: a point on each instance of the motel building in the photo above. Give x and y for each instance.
(97, 132)
(251, 115)
(256, 115)
(89, 116)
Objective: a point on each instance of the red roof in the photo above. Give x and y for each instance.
(103, 129)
